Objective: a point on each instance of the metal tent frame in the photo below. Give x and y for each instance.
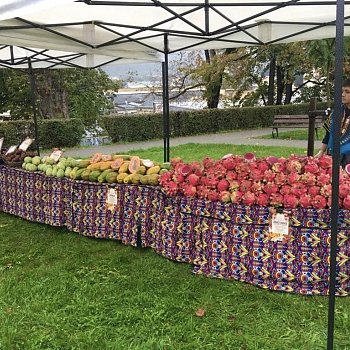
(167, 27)
(28, 59)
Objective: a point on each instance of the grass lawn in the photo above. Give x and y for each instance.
(60, 290)
(196, 151)
(297, 134)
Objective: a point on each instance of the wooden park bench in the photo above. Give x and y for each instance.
(294, 122)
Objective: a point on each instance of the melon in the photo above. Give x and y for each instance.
(85, 174)
(82, 163)
(121, 177)
(116, 163)
(144, 179)
(36, 160)
(67, 171)
(106, 165)
(48, 172)
(135, 179)
(163, 171)
(96, 158)
(165, 165)
(134, 164)
(124, 167)
(27, 159)
(106, 157)
(147, 163)
(111, 177)
(153, 170)
(142, 170)
(93, 176)
(60, 173)
(153, 179)
(127, 179)
(123, 156)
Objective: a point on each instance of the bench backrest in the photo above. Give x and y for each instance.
(302, 119)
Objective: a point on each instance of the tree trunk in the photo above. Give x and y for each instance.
(207, 56)
(52, 98)
(279, 81)
(214, 84)
(271, 89)
(44, 93)
(64, 104)
(289, 92)
(213, 92)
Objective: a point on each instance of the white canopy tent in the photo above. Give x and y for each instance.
(139, 29)
(146, 27)
(139, 25)
(31, 58)
(17, 57)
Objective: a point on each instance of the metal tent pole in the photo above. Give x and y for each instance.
(165, 80)
(33, 96)
(335, 167)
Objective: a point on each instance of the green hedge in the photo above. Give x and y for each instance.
(52, 132)
(141, 127)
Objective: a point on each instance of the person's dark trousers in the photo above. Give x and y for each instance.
(344, 159)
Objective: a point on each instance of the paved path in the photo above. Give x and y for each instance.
(245, 137)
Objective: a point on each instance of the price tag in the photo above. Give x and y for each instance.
(279, 227)
(112, 199)
(1, 142)
(11, 149)
(56, 155)
(25, 144)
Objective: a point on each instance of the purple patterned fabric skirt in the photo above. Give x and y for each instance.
(219, 240)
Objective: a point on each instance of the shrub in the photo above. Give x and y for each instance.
(60, 132)
(139, 127)
(52, 132)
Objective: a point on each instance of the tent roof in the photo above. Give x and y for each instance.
(17, 57)
(137, 28)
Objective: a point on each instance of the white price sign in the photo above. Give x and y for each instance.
(279, 227)
(25, 144)
(56, 155)
(112, 199)
(11, 149)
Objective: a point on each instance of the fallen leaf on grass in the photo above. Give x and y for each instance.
(200, 312)
(232, 318)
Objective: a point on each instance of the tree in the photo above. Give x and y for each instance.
(193, 70)
(64, 93)
(15, 94)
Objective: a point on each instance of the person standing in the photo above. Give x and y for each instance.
(344, 129)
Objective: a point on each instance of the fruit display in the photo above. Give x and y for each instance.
(296, 181)
(17, 156)
(101, 168)
(121, 169)
(48, 165)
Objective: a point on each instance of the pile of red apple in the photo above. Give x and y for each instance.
(296, 181)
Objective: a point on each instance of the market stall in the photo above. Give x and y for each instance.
(219, 238)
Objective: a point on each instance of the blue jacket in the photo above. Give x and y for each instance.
(344, 139)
